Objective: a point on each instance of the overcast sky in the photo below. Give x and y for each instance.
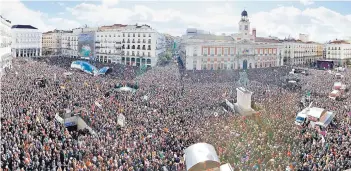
(323, 21)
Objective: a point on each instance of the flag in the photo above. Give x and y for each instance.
(98, 104)
(93, 108)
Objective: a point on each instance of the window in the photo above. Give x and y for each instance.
(261, 51)
(212, 51)
(219, 51)
(246, 27)
(225, 51)
(204, 51)
(232, 51)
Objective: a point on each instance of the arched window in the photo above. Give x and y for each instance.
(133, 47)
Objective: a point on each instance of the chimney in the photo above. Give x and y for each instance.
(254, 32)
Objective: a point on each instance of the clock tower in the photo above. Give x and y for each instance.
(244, 26)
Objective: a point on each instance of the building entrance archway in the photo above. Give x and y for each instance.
(245, 64)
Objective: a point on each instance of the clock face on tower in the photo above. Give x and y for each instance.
(246, 27)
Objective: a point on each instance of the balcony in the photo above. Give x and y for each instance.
(133, 41)
(138, 41)
(149, 42)
(144, 41)
(123, 41)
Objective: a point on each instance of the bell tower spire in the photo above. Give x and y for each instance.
(244, 25)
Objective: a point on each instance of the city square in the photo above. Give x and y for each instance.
(127, 97)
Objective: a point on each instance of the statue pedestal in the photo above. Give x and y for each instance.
(243, 102)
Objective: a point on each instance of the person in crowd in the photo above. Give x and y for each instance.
(182, 108)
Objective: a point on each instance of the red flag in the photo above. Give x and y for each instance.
(93, 107)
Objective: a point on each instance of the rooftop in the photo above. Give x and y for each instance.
(212, 37)
(5, 19)
(339, 42)
(23, 27)
(266, 40)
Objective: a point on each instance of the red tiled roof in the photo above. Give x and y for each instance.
(339, 42)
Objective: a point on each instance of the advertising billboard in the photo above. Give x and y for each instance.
(86, 45)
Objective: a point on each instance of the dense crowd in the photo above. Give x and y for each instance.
(181, 108)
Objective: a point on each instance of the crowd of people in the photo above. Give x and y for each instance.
(181, 109)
